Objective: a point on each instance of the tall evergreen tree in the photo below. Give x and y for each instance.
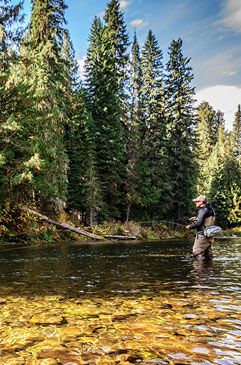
(10, 20)
(91, 187)
(135, 80)
(41, 161)
(208, 122)
(10, 34)
(76, 130)
(153, 190)
(181, 124)
(119, 43)
(236, 135)
(225, 190)
(103, 93)
(119, 40)
(72, 85)
(132, 128)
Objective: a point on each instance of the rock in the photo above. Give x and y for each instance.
(46, 318)
(46, 350)
(10, 360)
(70, 333)
(48, 361)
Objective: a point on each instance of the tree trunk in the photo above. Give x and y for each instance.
(63, 225)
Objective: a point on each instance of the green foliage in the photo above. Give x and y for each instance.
(103, 94)
(132, 130)
(153, 174)
(127, 144)
(181, 136)
(14, 222)
(9, 16)
(236, 136)
(208, 122)
(225, 189)
(119, 41)
(33, 131)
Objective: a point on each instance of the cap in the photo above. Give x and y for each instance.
(201, 198)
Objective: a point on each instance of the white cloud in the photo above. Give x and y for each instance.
(232, 15)
(124, 4)
(81, 62)
(224, 98)
(223, 68)
(139, 23)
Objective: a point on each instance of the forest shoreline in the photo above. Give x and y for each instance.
(24, 228)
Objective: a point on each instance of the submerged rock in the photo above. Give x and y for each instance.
(46, 318)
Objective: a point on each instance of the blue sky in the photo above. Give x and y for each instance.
(210, 30)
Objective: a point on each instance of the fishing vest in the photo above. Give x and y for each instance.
(209, 221)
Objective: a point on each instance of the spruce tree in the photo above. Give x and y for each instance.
(76, 129)
(181, 123)
(119, 40)
(236, 135)
(72, 86)
(225, 190)
(153, 189)
(135, 80)
(40, 119)
(10, 36)
(103, 95)
(208, 122)
(91, 187)
(133, 124)
(119, 44)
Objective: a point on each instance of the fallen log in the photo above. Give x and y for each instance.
(63, 225)
(120, 237)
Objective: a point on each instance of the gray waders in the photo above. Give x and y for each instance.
(202, 248)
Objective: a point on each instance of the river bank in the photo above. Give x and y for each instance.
(23, 227)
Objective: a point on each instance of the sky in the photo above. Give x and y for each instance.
(210, 30)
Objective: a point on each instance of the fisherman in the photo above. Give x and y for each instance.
(202, 248)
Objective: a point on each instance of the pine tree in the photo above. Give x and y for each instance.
(76, 130)
(39, 156)
(91, 187)
(103, 94)
(181, 124)
(10, 20)
(10, 35)
(132, 128)
(152, 167)
(236, 135)
(118, 36)
(208, 122)
(72, 85)
(225, 190)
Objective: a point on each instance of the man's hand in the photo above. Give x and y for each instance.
(187, 227)
(193, 219)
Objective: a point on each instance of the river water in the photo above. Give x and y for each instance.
(120, 303)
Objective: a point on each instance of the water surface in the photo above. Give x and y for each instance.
(129, 302)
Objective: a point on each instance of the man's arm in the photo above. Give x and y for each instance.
(199, 221)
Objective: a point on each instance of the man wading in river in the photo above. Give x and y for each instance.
(202, 247)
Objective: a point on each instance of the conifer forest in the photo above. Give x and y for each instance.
(128, 143)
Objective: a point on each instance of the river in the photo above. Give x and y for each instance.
(120, 303)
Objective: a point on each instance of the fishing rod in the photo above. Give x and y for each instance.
(163, 221)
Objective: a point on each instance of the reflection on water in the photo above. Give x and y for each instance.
(205, 273)
(151, 299)
(95, 269)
